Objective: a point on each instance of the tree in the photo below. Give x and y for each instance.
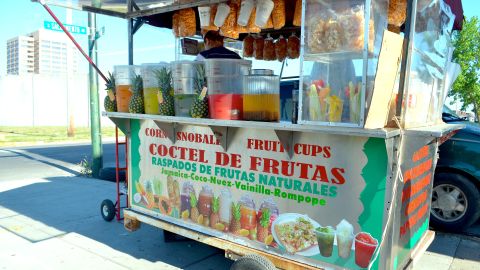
(466, 88)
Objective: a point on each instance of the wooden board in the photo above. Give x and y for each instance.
(387, 69)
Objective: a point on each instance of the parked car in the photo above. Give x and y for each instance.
(456, 187)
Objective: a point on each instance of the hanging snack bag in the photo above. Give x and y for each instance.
(187, 24)
(229, 28)
(278, 14)
(281, 48)
(175, 29)
(258, 47)
(293, 47)
(397, 12)
(269, 49)
(297, 16)
(248, 46)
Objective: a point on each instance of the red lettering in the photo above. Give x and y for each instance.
(221, 159)
(304, 170)
(420, 154)
(250, 143)
(337, 173)
(254, 163)
(192, 154)
(320, 174)
(288, 168)
(162, 150)
(417, 187)
(270, 165)
(152, 149)
(236, 161)
(326, 152)
(171, 152)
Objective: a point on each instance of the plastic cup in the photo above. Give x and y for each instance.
(222, 12)
(344, 245)
(245, 11)
(365, 246)
(335, 108)
(325, 237)
(204, 14)
(264, 9)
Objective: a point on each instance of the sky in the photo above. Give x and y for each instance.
(151, 44)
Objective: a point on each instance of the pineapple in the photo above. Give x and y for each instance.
(199, 107)
(165, 95)
(136, 102)
(110, 101)
(194, 214)
(235, 223)
(262, 226)
(149, 195)
(215, 217)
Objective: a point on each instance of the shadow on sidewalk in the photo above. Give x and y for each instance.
(72, 205)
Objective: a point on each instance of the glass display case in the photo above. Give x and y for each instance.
(341, 42)
(429, 53)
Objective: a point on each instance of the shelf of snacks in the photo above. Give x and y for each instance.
(341, 42)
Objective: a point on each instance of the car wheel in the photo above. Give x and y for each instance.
(455, 202)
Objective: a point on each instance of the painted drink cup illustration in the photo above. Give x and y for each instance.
(365, 246)
(225, 206)
(344, 238)
(325, 238)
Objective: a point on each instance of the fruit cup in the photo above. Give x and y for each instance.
(365, 246)
(325, 237)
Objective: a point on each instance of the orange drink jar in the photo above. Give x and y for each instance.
(123, 77)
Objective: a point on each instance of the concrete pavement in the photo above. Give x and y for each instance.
(50, 219)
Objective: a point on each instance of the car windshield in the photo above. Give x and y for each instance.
(450, 116)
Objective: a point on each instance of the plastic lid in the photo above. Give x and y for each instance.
(262, 72)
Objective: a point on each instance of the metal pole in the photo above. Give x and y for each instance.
(96, 135)
(130, 34)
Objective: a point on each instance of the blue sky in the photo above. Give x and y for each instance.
(151, 44)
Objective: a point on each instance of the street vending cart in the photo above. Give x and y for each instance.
(347, 183)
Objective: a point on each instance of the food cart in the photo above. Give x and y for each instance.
(347, 184)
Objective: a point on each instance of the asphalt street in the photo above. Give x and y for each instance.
(50, 219)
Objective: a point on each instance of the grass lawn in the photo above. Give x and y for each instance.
(22, 136)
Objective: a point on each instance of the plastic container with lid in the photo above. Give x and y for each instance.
(248, 218)
(225, 97)
(230, 67)
(222, 12)
(184, 76)
(205, 201)
(225, 206)
(187, 189)
(150, 86)
(261, 96)
(123, 81)
(204, 14)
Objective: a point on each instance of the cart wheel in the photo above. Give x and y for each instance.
(107, 209)
(253, 262)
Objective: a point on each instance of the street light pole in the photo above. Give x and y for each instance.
(96, 135)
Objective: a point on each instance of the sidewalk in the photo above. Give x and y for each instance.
(54, 222)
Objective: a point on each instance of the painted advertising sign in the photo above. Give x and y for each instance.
(314, 198)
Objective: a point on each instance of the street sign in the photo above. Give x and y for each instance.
(73, 29)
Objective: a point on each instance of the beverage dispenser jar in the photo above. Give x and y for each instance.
(225, 86)
(185, 86)
(123, 82)
(151, 86)
(261, 96)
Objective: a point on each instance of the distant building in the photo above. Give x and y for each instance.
(42, 52)
(20, 55)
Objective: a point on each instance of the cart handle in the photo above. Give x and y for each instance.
(42, 2)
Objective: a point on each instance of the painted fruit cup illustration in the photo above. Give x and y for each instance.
(164, 205)
(185, 206)
(225, 208)
(365, 246)
(248, 220)
(267, 213)
(194, 214)
(205, 204)
(215, 216)
(344, 238)
(173, 189)
(236, 215)
(149, 194)
(325, 238)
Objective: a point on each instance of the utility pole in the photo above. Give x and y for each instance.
(96, 135)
